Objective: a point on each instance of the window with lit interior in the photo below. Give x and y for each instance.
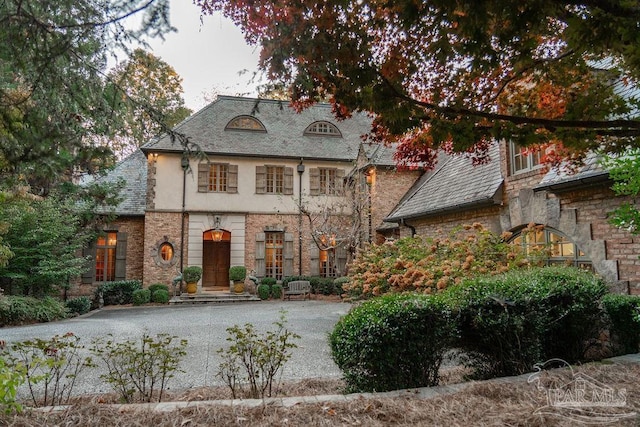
(558, 247)
(106, 257)
(274, 246)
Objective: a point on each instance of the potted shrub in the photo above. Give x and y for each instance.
(237, 274)
(190, 276)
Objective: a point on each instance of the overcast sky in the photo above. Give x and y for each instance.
(209, 56)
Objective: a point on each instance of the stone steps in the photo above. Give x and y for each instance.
(212, 298)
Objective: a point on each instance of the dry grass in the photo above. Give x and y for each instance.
(481, 404)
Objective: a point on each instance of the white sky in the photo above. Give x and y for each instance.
(209, 56)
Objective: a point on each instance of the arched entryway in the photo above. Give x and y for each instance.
(216, 260)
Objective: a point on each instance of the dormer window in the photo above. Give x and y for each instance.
(322, 128)
(246, 123)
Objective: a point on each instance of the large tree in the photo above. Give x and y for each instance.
(457, 74)
(54, 100)
(151, 98)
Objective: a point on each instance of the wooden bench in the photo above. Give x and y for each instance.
(298, 287)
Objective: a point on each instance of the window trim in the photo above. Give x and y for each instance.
(322, 128)
(515, 153)
(240, 123)
(578, 259)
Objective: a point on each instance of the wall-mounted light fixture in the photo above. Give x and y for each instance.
(217, 233)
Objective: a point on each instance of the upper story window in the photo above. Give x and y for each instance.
(524, 159)
(557, 247)
(326, 181)
(273, 179)
(322, 128)
(217, 178)
(246, 123)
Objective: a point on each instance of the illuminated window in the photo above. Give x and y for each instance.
(274, 246)
(561, 250)
(328, 263)
(218, 177)
(246, 123)
(166, 252)
(524, 159)
(322, 128)
(106, 257)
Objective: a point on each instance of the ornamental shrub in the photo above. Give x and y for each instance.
(117, 293)
(427, 265)
(264, 291)
(623, 318)
(17, 310)
(269, 281)
(510, 322)
(78, 305)
(141, 296)
(158, 286)
(160, 296)
(276, 291)
(392, 342)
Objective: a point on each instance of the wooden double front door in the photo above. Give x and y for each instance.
(216, 259)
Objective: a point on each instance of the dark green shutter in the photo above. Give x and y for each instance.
(121, 256)
(261, 179)
(89, 253)
(203, 177)
(232, 181)
(260, 266)
(315, 259)
(288, 180)
(288, 254)
(314, 181)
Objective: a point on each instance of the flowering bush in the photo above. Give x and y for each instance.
(428, 265)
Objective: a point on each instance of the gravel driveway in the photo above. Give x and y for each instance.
(204, 326)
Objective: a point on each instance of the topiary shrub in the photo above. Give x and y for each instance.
(158, 286)
(264, 291)
(276, 291)
(269, 281)
(623, 318)
(392, 342)
(118, 293)
(141, 296)
(78, 305)
(160, 296)
(508, 323)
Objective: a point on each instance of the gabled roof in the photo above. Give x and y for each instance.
(454, 184)
(133, 170)
(284, 136)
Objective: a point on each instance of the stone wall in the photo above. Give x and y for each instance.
(163, 227)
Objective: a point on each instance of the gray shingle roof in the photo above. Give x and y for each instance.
(455, 184)
(284, 136)
(562, 178)
(133, 170)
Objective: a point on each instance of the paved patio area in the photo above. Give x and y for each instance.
(204, 326)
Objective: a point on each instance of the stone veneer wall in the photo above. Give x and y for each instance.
(161, 227)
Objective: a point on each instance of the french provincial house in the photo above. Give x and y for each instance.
(241, 203)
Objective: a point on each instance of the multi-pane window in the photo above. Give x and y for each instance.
(274, 245)
(275, 180)
(218, 177)
(328, 182)
(106, 257)
(328, 263)
(322, 128)
(524, 159)
(557, 247)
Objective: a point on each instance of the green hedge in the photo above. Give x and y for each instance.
(392, 342)
(623, 316)
(78, 305)
(141, 296)
(158, 286)
(276, 291)
(117, 293)
(320, 285)
(264, 291)
(18, 310)
(160, 296)
(510, 322)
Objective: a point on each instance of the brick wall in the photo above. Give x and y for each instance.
(441, 225)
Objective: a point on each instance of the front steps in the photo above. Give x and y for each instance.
(212, 298)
